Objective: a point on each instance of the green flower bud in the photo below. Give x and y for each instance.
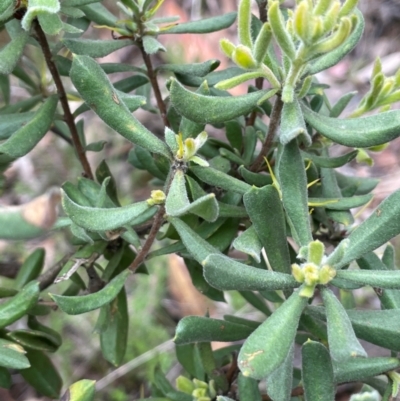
(227, 47)
(297, 273)
(243, 57)
(157, 197)
(326, 274)
(185, 385)
(316, 251)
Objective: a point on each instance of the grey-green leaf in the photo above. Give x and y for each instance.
(343, 343)
(265, 211)
(211, 109)
(248, 243)
(95, 48)
(267, 347)
(292, 124)
(317, 372)
(101, 219)
(203, 329)
(361, 132)
(75, 305)
(113, 339)
(293, 183)
(26, 138)
(204, 25)
(96, 89)
(219, 179)
(381, 226)
(12, 355)
(227, 274)
(11, 53)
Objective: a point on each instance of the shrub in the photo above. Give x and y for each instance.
(270, 192)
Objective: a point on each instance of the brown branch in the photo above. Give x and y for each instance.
(154, 83)
(69, 119)
(48, 277)
(150, 239)
(157, 223)
(273, 128)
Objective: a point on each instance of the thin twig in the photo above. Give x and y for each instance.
(134, 363)
(69, 119)
(150, 239)
(48, 277)
(154, 83)
(273, 128)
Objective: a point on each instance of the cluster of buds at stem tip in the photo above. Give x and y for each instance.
(184, 150)
(314, 271)
(199, 390)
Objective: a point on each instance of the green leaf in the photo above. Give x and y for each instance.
(293, 125)
(211, 109)
(11, 53)
(203, 25)
(101, 219)
(279, 30)
(50, 23)
(248, 243)
(341, 104)
(389, 299)
(95, 48)
(375, 278)
(152, 45)
(330, 162)
(37, 8)
(113, 340)
(12, 355)
(19, 305)
(192, 329)
(340, 203)
(31, 268)
(382, 225)
(42, 375)
(343, 343)
(6, 9)
(227, 274)
(96, 89)
(195, 69)
(5, 378)
(279, 382)
(293, 184)
(219, 179)
(265, 211)
(257, 179)
(359, 369)
(17, 145)
(196, 273)
(177, 202)
(33, 339)
(82, 390)
(196, 246)
(267, 347)
(361, 132)
(333, 57)
(35, 325)
(350, 186)
(248, 388)
(99, 14)
(317, 372)
(76, 305)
